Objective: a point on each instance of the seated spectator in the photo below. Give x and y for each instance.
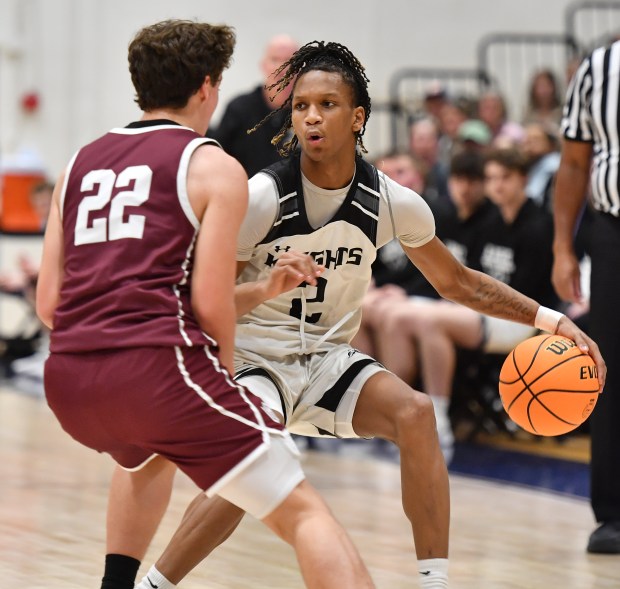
(24, 351)
(513, 245)
(41, 201)
(493, 112)
(22, 282)
(544, 100)
(394, 276)
(451, 116)
(435, 98)
(458, 222)
(541, 147)
(23, 354)
(473, 135)
(403, 168)
(424, 146)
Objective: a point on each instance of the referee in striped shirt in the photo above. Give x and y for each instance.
(590, 154)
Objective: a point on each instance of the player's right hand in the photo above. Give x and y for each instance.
(292, 269)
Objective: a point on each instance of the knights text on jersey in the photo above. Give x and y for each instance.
(129, 232)
(308, 318)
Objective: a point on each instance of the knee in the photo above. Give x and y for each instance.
(409, 319)
(415, 417)
(374, 315)
(302, 505)
(426, 323)
(399, 319)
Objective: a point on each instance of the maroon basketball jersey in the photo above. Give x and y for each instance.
(129, 236)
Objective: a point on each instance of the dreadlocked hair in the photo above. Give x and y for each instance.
(327, 57)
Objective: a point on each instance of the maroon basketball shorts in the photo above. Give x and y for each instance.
(175, 402)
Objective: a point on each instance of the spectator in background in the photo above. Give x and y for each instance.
(403, 168)
(255, 150)
(424, 146)
(512, 244)
(458, 225)
(473, 135)
(41, 201)
(544, 102)
(493, 112)
(394, 276)
(23, 282)
(451, 116)
(435, 98)
(23, 354)
(541, 147)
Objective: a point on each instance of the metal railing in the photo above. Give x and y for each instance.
(408, 86)
(505, 62)
(513, 58)
(592, 24)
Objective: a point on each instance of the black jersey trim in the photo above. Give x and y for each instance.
(332, 397)
(292, 218)
(246, 371)
(152, 123)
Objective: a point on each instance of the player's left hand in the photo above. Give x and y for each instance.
(292, 269)
(586, 344)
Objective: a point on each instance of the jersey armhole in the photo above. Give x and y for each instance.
(63, 191)
(182, 194)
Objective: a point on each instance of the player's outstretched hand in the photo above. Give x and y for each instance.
(292, 269)
(568, 329)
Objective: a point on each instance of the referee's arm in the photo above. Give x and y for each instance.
(568, 199)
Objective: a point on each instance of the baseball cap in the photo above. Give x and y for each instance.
(475, 131)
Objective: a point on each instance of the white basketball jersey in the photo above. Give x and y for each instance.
(308, 318)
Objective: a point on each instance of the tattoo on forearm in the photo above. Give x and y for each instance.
(495, 298)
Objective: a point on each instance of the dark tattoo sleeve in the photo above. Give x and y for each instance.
(492, 297)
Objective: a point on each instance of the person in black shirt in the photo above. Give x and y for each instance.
(394, 277)
(255, 150)
(512, 243)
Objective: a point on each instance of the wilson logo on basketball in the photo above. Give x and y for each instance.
(588, 372)
(560, 346)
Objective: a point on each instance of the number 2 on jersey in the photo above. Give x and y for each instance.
(115, 226)
(296, 307)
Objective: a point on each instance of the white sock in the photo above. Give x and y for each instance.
(433, 573)
(154, 580)
(441, 404)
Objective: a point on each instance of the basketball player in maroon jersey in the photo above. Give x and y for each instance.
(144, 218)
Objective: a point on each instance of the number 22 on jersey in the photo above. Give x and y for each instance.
(115, 226)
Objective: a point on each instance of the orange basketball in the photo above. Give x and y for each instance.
(548, 386)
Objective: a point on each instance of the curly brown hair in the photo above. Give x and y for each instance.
(170, 60)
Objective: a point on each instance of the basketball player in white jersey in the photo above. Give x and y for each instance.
(326, 206)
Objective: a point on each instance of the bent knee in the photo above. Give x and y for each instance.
(303, 503)
(415, 416)
(410, 318)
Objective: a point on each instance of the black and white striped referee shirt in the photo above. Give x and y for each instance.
(591, 114)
